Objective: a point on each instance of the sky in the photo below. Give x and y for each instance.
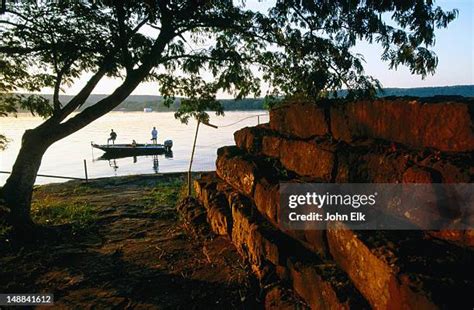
(454, 47)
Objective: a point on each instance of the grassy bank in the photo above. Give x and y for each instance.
(69, 204)
(119, 243)
(75, 203)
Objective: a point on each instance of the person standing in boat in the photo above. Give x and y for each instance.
(154, 135)
(113, 136)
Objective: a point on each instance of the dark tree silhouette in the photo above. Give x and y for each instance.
(297, 47)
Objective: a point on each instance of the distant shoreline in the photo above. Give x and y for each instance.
(136, 103)
(26, 113)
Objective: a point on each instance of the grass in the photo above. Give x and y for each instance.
(66, 203)
(165, 196)
(84, 189)
(57, 212)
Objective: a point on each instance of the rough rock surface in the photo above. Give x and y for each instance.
(401, 269)
(379, 141)
(269, 251)
(446, 125)
(304, 120)
(236, 170)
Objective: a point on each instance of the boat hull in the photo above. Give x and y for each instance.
(125, 150)
(109, 156)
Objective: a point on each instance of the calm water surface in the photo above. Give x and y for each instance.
(66, 156)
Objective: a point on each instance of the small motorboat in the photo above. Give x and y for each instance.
(124, 150)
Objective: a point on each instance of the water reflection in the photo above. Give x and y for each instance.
(114, 159)
(109, 156)
(67, 155)
(156, 163)
(113, 164)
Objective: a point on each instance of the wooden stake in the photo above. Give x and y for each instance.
(192, 157)
(85, 171)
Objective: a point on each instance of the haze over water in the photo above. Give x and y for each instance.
(65, 157)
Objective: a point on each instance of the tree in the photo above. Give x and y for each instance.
(298, 47)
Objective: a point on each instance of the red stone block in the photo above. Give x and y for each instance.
(307, 159)
(323, 286)
(280, 298)
(402, 270)
(250, 138)
(267, 200)
(301, 120)
(219, 217)
(446, 126)
(271, 146)
(363, 164)
(236, 170)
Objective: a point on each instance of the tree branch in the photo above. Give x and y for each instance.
(57, 88)
(133, 79)
(202, 57)
(21, 16)
(154, 27)
(123, 36)
(21, 50)
(82, 96)
(140, 25)
(57, 85)
(23, 26)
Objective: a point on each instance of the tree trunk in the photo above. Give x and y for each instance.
(18, 189)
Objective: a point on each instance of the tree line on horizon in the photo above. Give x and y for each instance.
(157, 103)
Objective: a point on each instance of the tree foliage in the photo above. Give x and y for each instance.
(297, 47)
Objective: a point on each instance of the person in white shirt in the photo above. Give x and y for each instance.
(154, 135)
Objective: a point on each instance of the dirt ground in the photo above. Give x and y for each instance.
(134, 253)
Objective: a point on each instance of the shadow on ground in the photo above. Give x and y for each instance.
(136, 254)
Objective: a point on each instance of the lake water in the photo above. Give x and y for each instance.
(65, 157)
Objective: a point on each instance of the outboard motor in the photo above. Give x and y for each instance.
(168, 145)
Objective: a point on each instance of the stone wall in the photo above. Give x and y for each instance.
(380, 141)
